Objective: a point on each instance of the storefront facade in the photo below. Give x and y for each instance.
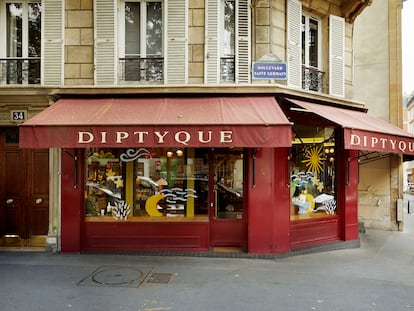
(264, 174)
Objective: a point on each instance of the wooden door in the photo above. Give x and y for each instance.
(24, 194)
(37, 192)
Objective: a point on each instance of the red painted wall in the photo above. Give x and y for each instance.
(269, 226)
(146, 236)
(71, 200)
(349, 187)
(269, 202)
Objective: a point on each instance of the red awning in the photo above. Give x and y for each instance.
(362, 131)
(159, 122)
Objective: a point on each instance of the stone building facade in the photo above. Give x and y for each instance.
(85, 54)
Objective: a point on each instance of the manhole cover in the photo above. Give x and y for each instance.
(159, 278)
(116, 276)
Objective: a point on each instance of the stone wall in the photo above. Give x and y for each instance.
(196, 40)
(79, 41)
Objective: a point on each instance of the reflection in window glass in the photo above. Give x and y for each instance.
(313, 43)
(132, 28)
(148, 43)
(310, 41)
(34, 20)
(312, 173)
(154, 29)
(124, 183)
(228, 189)
(19, 15)
(14, 30)
(229, 28)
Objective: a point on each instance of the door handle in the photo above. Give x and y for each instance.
(216, 202)
(9, 201)
(39, 201)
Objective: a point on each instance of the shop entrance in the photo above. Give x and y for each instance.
(227, 214)
(24, 192)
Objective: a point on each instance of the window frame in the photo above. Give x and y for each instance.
(313, 168)
(22, 65)
(141, 177)
(305, 43)
(143, 35)
(225, 59)
(222, 29)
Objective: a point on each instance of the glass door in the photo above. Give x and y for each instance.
(228, 221)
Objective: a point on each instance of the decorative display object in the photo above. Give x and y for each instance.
(121, 210)
(313, 159)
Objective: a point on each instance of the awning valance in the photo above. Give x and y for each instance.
(159, 122)
(362, 131)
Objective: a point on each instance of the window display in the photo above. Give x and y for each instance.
(126, 183)
(312, 173)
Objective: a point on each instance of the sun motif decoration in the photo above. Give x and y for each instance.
(313, 159)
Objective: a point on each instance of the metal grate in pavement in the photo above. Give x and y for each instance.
(163, 278)
(116, 276)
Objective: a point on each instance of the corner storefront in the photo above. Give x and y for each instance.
(266, 174)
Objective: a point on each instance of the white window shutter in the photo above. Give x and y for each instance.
(212, 63)
(336, 56)
(104, 19)
(294, 43)
(176, 62)
(243, 42)
(52, 39)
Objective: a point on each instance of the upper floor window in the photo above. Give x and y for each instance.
(21, 41)
(141, 41)
(227, 60)
(227, 42)
(306, 53)
(312, 76)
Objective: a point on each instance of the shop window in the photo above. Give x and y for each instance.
(125, 184)
(142, 29)
(312, 173)
(21, 42)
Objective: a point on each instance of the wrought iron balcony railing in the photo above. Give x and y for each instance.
(15, 70)
(312, 79)
(227, 69)
(142, 69)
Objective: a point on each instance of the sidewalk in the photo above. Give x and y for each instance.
(377, 276)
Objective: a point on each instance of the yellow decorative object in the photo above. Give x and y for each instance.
(151, 205)
(110, 174)
(317, 183)
(321, 186)
(313, 159)
(119, 183)
(311, 200)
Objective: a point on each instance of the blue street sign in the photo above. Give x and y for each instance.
(269, 70)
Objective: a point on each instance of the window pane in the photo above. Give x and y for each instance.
(14, 29)
(303, 31)
(34, 17)
(229, 28)
(228, 172)
(154, 29)
(312, 169)
(104, 181)
(146, 182)
(132, 28)
(313, 43)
